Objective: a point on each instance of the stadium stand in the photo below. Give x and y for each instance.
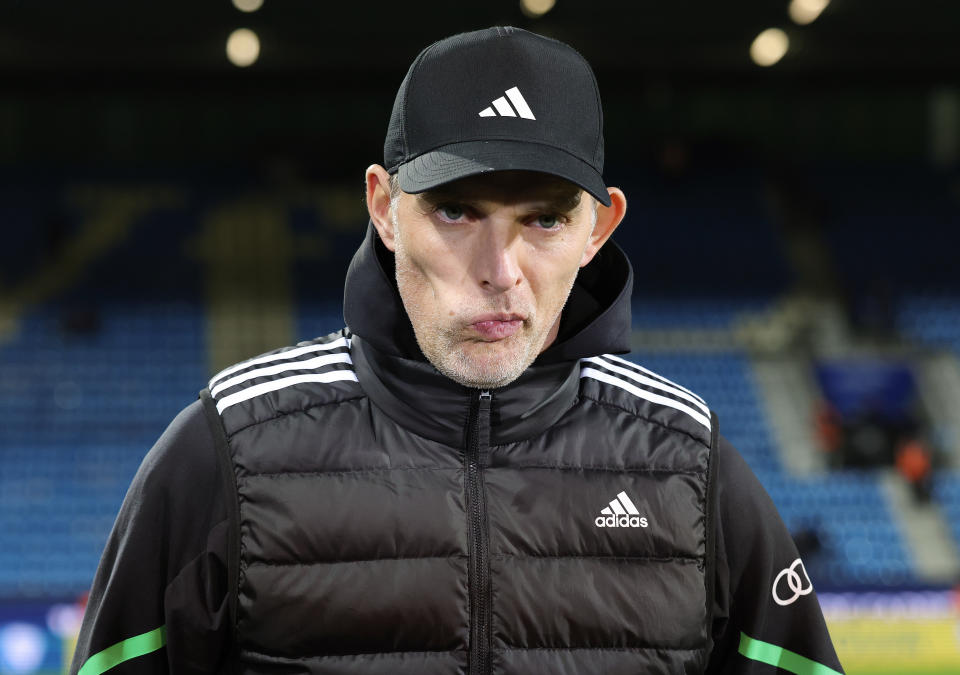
(860, 544)
(931, 318)
(894, 224)
(708, 228)
(946, 489)
(77, 415)
(93, 372)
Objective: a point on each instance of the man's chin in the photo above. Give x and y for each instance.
(478, 380)
(485, 365)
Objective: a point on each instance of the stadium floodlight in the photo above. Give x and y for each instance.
(535, 8)
(804, 12)
(248, 5)
(769, 47)
(243, 47)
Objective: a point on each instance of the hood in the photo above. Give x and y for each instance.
(595, 320)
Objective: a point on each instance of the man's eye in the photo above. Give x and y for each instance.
(451, 212)
(548, 222)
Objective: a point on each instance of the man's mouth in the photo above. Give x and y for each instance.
(497, 326)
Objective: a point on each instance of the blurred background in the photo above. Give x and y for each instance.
(181, 188)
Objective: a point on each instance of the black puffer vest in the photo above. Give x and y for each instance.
(391, 521)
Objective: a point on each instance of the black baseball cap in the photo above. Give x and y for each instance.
(497, 99)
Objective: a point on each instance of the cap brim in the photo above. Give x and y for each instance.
(461, 160)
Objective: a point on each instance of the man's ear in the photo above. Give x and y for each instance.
(608, 217)
(378, 204)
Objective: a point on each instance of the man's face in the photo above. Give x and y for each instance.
(484, 267)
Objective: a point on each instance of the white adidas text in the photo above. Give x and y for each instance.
(621, 521)
(622, 512)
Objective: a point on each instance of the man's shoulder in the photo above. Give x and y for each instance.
(283, 380)
(628, 386)
(184, 456)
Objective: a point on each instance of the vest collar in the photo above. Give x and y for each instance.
(417, 397)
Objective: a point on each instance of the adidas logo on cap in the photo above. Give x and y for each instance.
(620, 513)
(503, 108)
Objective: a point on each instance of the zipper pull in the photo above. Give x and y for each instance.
(486, 398)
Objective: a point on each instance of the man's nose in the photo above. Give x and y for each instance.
(497, 261)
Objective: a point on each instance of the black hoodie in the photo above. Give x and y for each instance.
(160, 600)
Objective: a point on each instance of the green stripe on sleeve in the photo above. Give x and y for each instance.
(758, 650)
(130, 648)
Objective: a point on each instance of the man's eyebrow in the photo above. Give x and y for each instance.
(565, 203)
(562, 203)
(436, 197)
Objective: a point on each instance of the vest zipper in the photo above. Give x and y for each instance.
(478, 448)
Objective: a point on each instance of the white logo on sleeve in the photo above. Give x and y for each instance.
(621, 513)
(503, 108)
(789, 591)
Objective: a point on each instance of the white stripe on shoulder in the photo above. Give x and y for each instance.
(644, 394)
(289, 354)
(265, 387)
(308, 364)
(653, 374)
(649, 381)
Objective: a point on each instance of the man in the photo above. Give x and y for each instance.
(466, 479)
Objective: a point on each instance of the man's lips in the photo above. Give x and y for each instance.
(497, 326)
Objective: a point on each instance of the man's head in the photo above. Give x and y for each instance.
(486, 263)
(492, 198)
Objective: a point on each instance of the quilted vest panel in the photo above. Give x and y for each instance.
(355, 538)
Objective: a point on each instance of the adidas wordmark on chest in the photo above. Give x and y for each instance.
(621, 513)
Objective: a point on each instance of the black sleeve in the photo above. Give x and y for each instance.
(158, 603)
(767, 618)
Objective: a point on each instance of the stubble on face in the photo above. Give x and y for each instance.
(442, 328)
(445, 342)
